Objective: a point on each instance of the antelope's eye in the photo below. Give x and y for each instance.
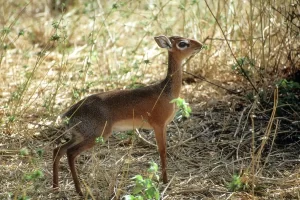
(183, 44)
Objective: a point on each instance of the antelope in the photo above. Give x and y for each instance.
(147, 108)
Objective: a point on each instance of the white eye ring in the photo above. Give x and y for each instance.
(182, 44)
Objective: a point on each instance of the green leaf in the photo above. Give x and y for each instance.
(138, 178)
(145, 188)
(24, 152)
(153, 167)
(137, 189)
(236, 183)
(21, 32)
(129, 197)
(152, 192)
(100, 140)
(40, 152)
(184, 108)
(23, 198)
(37, 174)
(27, 177)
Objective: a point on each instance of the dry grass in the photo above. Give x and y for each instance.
(49, 60)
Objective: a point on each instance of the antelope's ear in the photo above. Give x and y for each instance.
(163, 41)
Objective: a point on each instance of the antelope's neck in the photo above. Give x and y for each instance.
(173, 80)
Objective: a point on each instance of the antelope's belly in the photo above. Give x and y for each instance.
(131, 124)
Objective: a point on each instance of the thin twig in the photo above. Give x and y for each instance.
(191, 138)
(163, 192)
(236, 40)
(219, 86)
(143, 139)
(240, 66)
(240, 120)
(45, 125)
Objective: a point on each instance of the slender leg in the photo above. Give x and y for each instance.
(57, 154)
(72, 153)
(160, 135)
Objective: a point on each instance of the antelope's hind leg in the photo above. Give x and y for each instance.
(57, 154)
(88, 142)
(72, 153)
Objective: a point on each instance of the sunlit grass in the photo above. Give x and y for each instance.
(51, 59)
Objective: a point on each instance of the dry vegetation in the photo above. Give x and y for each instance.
(51, 59)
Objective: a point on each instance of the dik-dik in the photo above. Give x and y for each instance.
(147, 108)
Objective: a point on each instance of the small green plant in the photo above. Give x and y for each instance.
(40, 152)
(23, 198)
(288, 85)
(288, 94)
(36, 174)
(184, 108)
(125, 135)
(145, 188)
(100, 140)
(33, 176)
(24, 152)
(16, 95)
(77, 93)
(55, 37)
(12, 118)
(237, 184)
(288, 89)
(66, 120)
(205, 47)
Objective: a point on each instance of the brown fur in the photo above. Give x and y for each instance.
(148, 108)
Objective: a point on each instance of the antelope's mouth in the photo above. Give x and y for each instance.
(196, 51)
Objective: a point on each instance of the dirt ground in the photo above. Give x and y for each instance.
(204, 152)
(241, 140)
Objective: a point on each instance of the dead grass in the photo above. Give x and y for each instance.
(50, 60)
